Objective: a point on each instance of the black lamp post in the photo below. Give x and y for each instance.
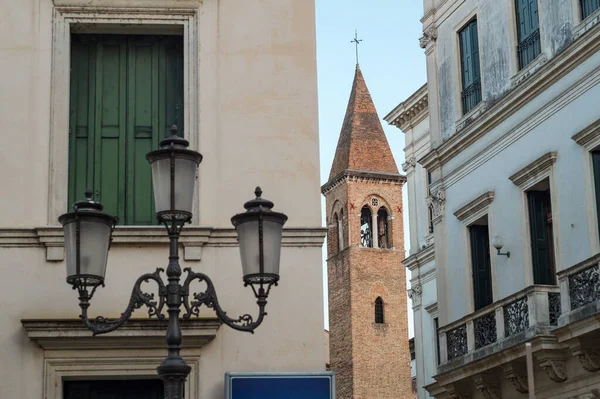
(88, 235)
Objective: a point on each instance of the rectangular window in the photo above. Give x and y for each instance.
(596, 162)
(480, 263)
(430, 210)
(588, 7)
(126, 91)
(528, 31)
(469, 65)
(436, 326)
(542, 237)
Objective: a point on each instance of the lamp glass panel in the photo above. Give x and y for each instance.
(161, 182)
(185, 180)
(272, 232)
(93, 248)
(71, 248)
(249, 250)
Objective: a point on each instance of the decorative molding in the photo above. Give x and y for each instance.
(71, 334)
(429, 36)
(555, 368)
(475, 206)
(111, 4)
(360, 176)
(529, 70)
(589, 360)
(411, 111)
(192, 238)
(437, 202)
(455, 393)
(517, 376)
(589, 138)
(563, 63)
(420, 258)
(471, 116)
(488, 385)
(535, 170)
(586, 25)
(409, 164)
(414, 293)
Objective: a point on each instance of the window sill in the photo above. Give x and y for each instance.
(470, 116)
(528, 70)
(192, 239)
(586, 25)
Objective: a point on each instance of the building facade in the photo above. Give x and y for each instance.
(412, 117)
(368, 337)
(89, 87)
(514, 193)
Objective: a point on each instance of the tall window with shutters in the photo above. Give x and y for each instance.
(596, 163)
(126, 92)
(541, 232)
(588, 7)
(528, 31)
(379, 310)
(480, 263)
(469, 65)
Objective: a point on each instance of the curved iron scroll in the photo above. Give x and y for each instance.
(102, 325)
(209, 298)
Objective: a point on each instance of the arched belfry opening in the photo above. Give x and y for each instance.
(383, 229)
(379, 311)
(366, 227)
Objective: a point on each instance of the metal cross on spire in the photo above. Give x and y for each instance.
(357, 41)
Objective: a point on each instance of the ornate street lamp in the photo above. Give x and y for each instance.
(87, 240)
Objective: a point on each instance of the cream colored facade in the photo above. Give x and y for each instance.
(536, 128)
(250, 108)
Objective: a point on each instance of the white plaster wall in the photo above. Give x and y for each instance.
(258, 126)
(573, 214)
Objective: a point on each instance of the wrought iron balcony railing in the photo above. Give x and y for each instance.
(537, 305)
(529, 48)
(471, 96)
(579, 287)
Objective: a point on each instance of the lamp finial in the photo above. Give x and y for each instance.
(257, 192)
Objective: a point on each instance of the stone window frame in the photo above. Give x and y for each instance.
(589, 139)
(68, 14)
(467, 215)
(525, 178)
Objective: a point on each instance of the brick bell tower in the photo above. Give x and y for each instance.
(365, 248)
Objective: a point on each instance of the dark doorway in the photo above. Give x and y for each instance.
(113, 389)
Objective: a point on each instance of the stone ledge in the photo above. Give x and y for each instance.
(135, 334)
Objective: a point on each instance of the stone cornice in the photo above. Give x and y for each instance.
(420, 258)
(411, 111)
(135, 334)
(475, 206)
(533, 170)
(117, 4)
(589, 138)
(549, 73)
(362, 176)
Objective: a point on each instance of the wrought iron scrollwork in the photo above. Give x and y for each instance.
(554, 307)
(485, 330)
(584, 287)
(209, 298)
(516, 317)
(139, 298)
(457, 342)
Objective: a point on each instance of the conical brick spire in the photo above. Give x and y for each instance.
(362, 145)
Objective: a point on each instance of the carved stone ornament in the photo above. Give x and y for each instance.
(428, 36)
(589, 360)
(410, 163)
(488, 386)
(455, 393)
(555, 369)
(517, 378)
(415, 292)
(436, 201)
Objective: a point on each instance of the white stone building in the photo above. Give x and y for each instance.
(514, 134)
(87, 88)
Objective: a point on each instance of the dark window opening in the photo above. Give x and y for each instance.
(469, 65)
(480, 263)
(596, 162)
(366, 228)
(334, 239)
(528, 31)
(436, 326)
(542, 237)
(340, 228)
(383, 237)
(113, 389)
(379, 310)
(588, 7)
(430, 209)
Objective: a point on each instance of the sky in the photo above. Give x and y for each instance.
(392, 64)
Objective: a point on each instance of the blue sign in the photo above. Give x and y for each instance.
(317, 385)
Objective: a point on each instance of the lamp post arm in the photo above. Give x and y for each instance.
(209, 298)
(102, 325)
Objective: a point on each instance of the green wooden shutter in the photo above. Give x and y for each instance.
(470, 68)
(126, 91)
(541, 246)
(596, 162)
(588, 7)
(481, 268)
(528, 35)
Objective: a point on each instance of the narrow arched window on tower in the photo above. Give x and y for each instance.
(334, 235)
(383, 236)
(366, 228)
(341, 231)
(379, 310)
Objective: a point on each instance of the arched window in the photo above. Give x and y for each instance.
(340, 228)
(366, 228)
(379, 310)
(383, 236)
(334, 235)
